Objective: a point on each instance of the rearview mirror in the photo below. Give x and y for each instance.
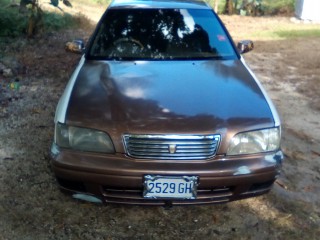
(76, 46)
(245, 46)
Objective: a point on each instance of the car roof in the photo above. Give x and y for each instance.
(187, 4)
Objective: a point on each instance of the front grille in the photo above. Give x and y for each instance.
(134, 196)
(204, 196)
(171, 146)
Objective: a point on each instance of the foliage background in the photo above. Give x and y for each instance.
(270, 7)
(14, 24)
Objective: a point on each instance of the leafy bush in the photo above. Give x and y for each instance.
(14, 24)
(272, 7)
(266, 7)
(56, 21)
(11, 22)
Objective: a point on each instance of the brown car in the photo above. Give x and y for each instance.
(162, 109)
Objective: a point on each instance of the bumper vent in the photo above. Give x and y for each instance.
(184, 147)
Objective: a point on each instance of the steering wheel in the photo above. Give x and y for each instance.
(132, 41)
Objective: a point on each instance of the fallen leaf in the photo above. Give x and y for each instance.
(281, 184)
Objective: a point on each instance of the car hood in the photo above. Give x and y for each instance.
(167, 97)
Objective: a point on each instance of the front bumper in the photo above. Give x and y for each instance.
(118, 178)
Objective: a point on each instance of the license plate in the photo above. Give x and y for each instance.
(179, 187)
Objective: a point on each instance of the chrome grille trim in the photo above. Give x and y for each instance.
(184, 147)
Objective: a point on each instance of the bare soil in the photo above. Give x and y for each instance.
(32, 207)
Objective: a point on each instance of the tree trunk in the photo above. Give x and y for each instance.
(228, 9)
(216, 4)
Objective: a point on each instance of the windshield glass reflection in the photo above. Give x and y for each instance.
(160, 34)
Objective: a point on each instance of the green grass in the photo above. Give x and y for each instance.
(298, 33)
(93, 2)
(286, 31)
(103, 2)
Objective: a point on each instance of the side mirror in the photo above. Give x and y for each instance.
(245, 46)
(76, 46)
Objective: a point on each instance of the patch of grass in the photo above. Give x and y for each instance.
(103, 2)
(93, 2)
(288, 31)
(298, 33)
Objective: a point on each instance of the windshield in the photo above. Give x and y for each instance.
(156, 34)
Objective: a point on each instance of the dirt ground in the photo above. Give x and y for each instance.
(32, 207)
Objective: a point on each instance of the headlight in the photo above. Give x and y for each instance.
(255, 142)
(83, 139)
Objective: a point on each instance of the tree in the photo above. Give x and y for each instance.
(216, 4)
(229, 9)
(35, 17)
